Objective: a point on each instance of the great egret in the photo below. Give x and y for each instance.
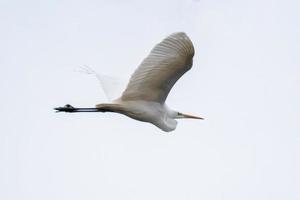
(145, 95)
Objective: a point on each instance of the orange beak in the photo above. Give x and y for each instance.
(190, 116)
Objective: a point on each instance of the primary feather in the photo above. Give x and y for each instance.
(156, 75)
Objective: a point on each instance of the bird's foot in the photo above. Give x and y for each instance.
(66, 108)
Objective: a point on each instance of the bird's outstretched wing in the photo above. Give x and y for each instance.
(111, 86)
(156, 75)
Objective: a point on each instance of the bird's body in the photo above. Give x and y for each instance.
(146, 111)
(145, 95)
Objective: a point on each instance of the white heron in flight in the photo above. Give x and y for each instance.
(145, 95)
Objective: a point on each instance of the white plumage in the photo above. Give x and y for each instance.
(145, 95)
(166, 63)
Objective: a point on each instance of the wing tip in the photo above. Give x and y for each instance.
(180, 35)
(186, 42)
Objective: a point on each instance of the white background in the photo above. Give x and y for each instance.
(245, 81)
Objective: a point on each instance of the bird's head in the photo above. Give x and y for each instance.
(179, 115)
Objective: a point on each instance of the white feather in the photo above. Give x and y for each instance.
(111, 86)
(156, 75)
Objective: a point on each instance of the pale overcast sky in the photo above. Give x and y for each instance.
(245, 81)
